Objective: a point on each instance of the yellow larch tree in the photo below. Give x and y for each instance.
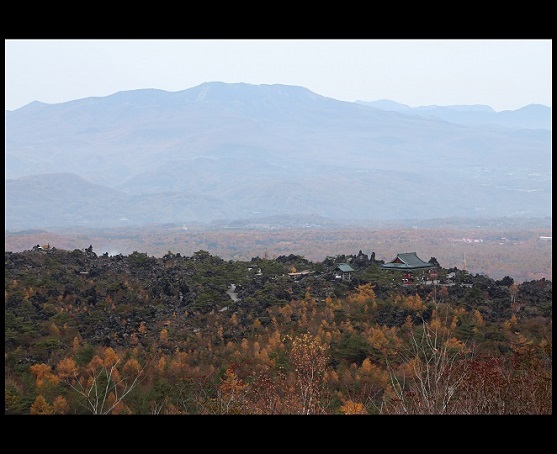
(41, 406)
(309, 359)
(232, 393)
(60, 406)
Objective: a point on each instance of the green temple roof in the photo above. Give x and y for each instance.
(344, 267)
(407, 261)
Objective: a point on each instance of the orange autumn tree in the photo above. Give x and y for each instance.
(352, 408)
(41, 407)
(364, 294)
(103, 383)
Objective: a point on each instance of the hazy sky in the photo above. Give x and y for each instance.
(504, 74)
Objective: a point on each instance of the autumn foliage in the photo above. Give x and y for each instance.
(163, 337)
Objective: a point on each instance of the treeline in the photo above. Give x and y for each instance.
(143, 335)
(491, 249)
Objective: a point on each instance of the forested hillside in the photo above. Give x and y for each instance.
(136, 334)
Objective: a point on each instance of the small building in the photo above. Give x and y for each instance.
(300, 273)
(342, 271)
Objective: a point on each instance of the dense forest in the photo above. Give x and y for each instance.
(89, 333)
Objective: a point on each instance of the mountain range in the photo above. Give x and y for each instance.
(532, 116)
(226, 152)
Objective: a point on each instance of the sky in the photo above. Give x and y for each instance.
(506, 74)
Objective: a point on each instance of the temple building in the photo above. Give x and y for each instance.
(409, 263)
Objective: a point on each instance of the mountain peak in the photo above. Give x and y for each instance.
(235, 92)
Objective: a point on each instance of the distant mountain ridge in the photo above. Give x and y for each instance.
(237, 151)
(532, 116)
